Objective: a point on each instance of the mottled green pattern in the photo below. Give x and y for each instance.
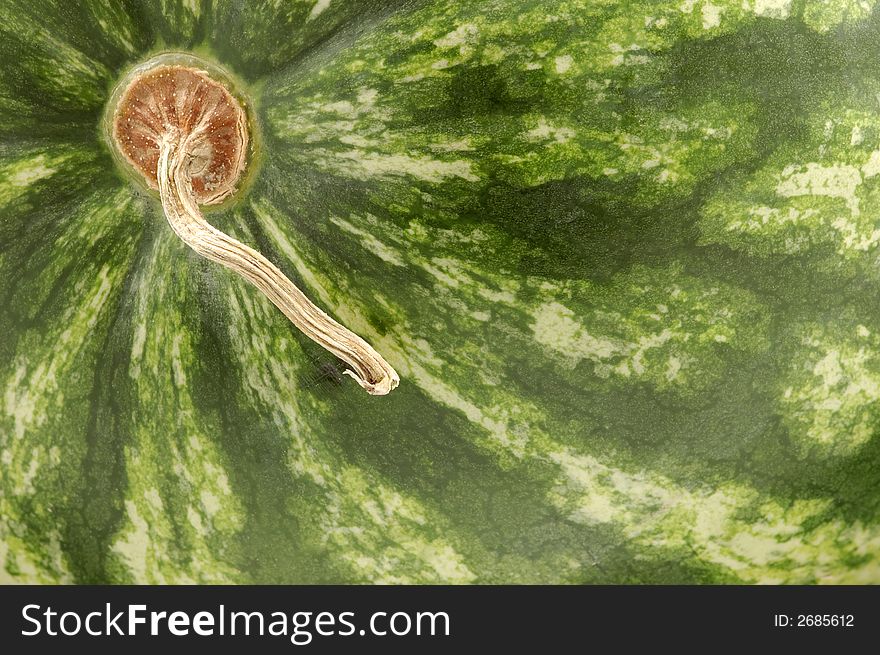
(622, 253)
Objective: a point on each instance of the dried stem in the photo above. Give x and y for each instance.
(369, 369)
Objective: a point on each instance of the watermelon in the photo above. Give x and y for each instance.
(623, 256)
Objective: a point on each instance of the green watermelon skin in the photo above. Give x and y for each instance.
(624, 256)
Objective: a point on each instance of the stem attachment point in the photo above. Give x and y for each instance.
(187, 136)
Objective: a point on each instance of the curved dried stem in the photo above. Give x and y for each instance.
(368, 368)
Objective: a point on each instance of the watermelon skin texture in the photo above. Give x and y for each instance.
(623, 255)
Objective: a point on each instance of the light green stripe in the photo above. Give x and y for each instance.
(180, 510)
(47, 384)
(376, 532)
(20, 174)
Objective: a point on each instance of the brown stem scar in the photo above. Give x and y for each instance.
(187, 135)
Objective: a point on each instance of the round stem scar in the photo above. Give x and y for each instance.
(187, 136)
